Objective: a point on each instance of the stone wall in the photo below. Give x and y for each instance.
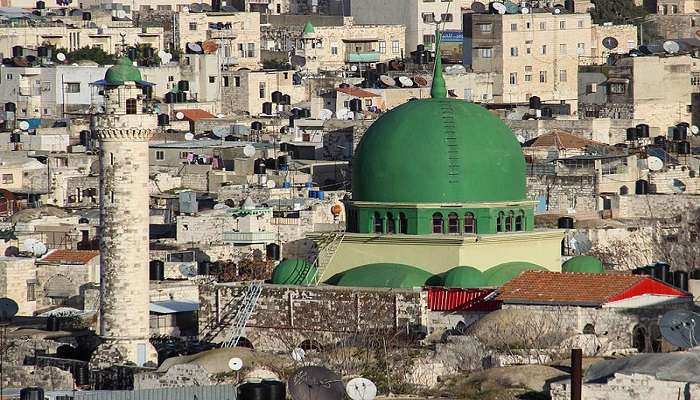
(562, 193)
(632, 386)
(656, 206)
(15, 274)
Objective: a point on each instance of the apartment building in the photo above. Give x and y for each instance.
(245, 91)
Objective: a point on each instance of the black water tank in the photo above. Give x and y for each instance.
(672, 147)
(283, 162)
(638, 271)
(666, 274)
(163, 120)
(203, 268)
(565, 223)
(131, 53)
(641, 187)
(216, 5)
(53, 324)
(40, 5)
(680, 280)
(643, 130)
(296, 112)
(355, 105)
(660, 140)
(276, 97)
(17, 51)
(546, 112)
(259, 166)
(81, 374)
(382, 68)
(156, 270)
(15, 138)
(252, 391)
(276, 390)
(286, 100)
(256, 125)
(183, 86)
(291, 121)
(181, 97)
(420, 48)
(569, 6)
(535, 102)
(42, 51)
(149, 52)
(147, 91)
(87, 16)
(648, 270)
(31, 393)
(84, 138)
(684, 147)
(170, 98)
(267, 108)
(10, 107)
(631, 134)
(305, 113)
(271, 163)
(272, 251)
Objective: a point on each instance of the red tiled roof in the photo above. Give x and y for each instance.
(356, 92)
(78, 257)
(560, 140)
(577, 288)
(195, 114)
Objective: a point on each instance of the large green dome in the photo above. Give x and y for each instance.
(502, 273)
(463, 277)
(438, 150)
(383, 275)
(583, 264)
(123, 71)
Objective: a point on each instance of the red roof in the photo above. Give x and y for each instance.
(442, 299)
(578, 288)
(356, 92)
(194, 114)
(76, 257)
(560, 140)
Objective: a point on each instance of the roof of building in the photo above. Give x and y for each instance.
(502, 273)
(356, 92)
(560, 140)
(293, 272)
(308, 28)
(575, 288)
(195, 114)
(76, 257)
(583, 264)
(122, 72)
(387, 275)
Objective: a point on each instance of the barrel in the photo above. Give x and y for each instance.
(631, 134)
(170, 98)
(276, 97)
(641, 187)
(10, 107)
(156, 270)
(183, 86)
(31, 393)
(81, 374)
(53, 324)
(203, 268)
(181, 97)
(272, 251)
(535, 102)
(638, 271)
(253, 391)
(267, 108)
(565, 223)
(163, 120)
(40, 5)
(680, 280)
(275, 389)
(17, 51)
(643, 131)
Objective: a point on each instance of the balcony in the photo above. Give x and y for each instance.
(368, 57)
(249, 237)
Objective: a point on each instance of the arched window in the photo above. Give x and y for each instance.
(469, 223)
(509, 222)
(390, 223)
(639, 337)
(624, 190)
(499, 222)
(437, 223)
(377, 222)
(520, 221)
(131, 106)
(453, 223)
(589, 329)
(403, 223)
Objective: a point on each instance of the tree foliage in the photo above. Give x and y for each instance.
(95, 54)
(616, 11)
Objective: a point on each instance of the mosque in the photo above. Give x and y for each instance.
(438, 198)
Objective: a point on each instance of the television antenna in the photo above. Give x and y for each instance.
(361, 389)
(680, 328)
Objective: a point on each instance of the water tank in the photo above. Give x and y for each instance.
(170, 97)
(183, 86)
(569, 6)
(296, 112)
(83, 220)
(81, 374)
(660, 140)
(382, 68)
(680, 280)
(643, 130)
(420, 48)
(181, 97)
(272, 251)
(131, 53)
(672, 147)
(42, 51)
(641, 187)
(15, 138)
(256, 126)
(149, 52)
(305, 113)
(283, 162)
(648, 270)
(276, 390)
(684, 147)
(31, 393)
(546, 112)
(163, 120)
(565, 223)
(84, 138)
(87, 16)
(267, 108)
(277, 97)
(53, 324)
(664, 272)
(156, 270)
(271, 163)
(291, 121)
(631, 134)
(40, 5)
(355, 105)
(259, 166)
(10, 107)
(216, 5)
(147, 91)
(535, 103)
(203, 268)
(17, 51)
(638, 271)
(286, 100)
(252, 391)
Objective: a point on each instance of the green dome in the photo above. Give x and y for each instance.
(123, 71)
(384, 275)
(438, 150)
(293, 272)
(502, 273)
(463, 277)
(583, 264)
(308, 28)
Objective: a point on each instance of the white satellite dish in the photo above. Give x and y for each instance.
(235, 364)
(361, 389)
(161, 54)
(654, 163)
(221, 131)
(521, 139)
(39, 249)
(344, 113)
(249, 150)
(298, 354)
(270, 184)
(220, 115)
(121, 14)
(23, 125)
(166, 58)
(325, 114)
(695, 130)
(405, 81)
(557, 10)
(499, 7)
(61, 57)
(671, 47)
(525, 10)
(353, 68)
(189, 136)
(437, 20)
(179, 115)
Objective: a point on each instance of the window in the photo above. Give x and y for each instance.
(509, 222)
(543, 76)
(446, 17)
(390, 223)
(31, 291)
(131, 105)
(543, 26)
(453, 223)
(513, 27)
(377, 223)
(261, 90)
(226, 82)
(589, 329)
(183, 155)
(562, 75)
(520, 221)
(513, 78)
(617, 88)
(543, 49)
(160, 155)
(193, 26)
(513, 51)
(469, 223)
(212, 79)
(562, 24)
(485, 28)
(528, 78)
(334, 48)
(395, 47)
(562, 48)
(403, 223)
(368, 102)
(7, 178)
(437, 223)
(237, 81)
(486, 53)
(528, 25)
(580, 23)
(528, 50)
(382, 47)
(428, 40)
(631, 44)
(428, 18)
(251, 50)
(72, 87)
(580, 48)
(171, 78)
(499, 222)
(695, 79)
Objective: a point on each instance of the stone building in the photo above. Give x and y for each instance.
(61, 276)
(18, 282)
(245, 91)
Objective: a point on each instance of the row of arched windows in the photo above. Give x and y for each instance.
(453, 224)
(469, 223)
(392, 224)
(510, 222)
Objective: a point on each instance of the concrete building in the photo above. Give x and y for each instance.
(245, 91)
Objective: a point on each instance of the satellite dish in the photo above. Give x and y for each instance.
(179, 115)
(315, 383)
(353, 68)
(61, 57)
(361, 389)
(557, 10)
(671, 47)
(580, 51)
(249, 150)
(344, 113)
(525, 10)
(28, 245)
(386, 80)
(680, 328)
(695, 130)
(499, 7)
(610, 43)
(23, 125)
(121, 14)
(521, 139)
(678, 186)
(206, 7)
(221, 131)
(325, 114)
(297, 61)
(187, 270)
(195, 8)
(166, 58)
(298, 354)
(405, 81)
(39, 249)
(8, 309)
(437, 20)
(194, 48)
(210, 47)
(654, 163)
(161, 54)
(270, 184)
(478, 7)
(189, 136)
(420, 81)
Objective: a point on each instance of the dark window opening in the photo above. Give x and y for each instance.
(469, 223)
(452, 223)
(520, 222)
(390, 223)
(437, 223)
(589, 329)
(509, 222)
(377, 221)
(403, 223)
(499, 222)
(131, 106)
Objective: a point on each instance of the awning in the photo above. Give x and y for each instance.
(173, 306)
(195, 114)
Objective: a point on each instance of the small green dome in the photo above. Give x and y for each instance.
(385, 275)
(463, 277)
(583, 264)
(122, 72)
(438, 150)
(308, 28)
(502, 273)
(293, 272)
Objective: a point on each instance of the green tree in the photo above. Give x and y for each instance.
(616, 11)
(95, 54)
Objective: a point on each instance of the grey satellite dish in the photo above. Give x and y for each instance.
(23, 125)
(695, 130)
(671, 47)
(61, 57)
(610, 43)
(325, 114)
(195, 8)
(361, 389)
(206, 7)
(315, 383)
(187, 270)
(478, 7)
(8, 309)
(298, 354)
(221, 131)
(189, 136)
(297, 61)
(678, 186)
(387, 80)
(235, 364)
(525, 10)
(194, 48)
(654, 163)
(680, 328)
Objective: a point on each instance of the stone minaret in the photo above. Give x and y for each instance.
(124, 130)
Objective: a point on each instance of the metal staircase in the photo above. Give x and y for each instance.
(245, 309)
(327, 247)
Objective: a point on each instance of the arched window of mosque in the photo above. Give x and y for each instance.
(403, 223)
(624, 190)
(131, 106)
(390, 223)
(499, 221)
(437, 223)
(469, 223)
(509, 222)
(520, 221)
(377, 222)
(453, 223)
(589, 329)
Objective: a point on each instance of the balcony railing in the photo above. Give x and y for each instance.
(249, 237)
